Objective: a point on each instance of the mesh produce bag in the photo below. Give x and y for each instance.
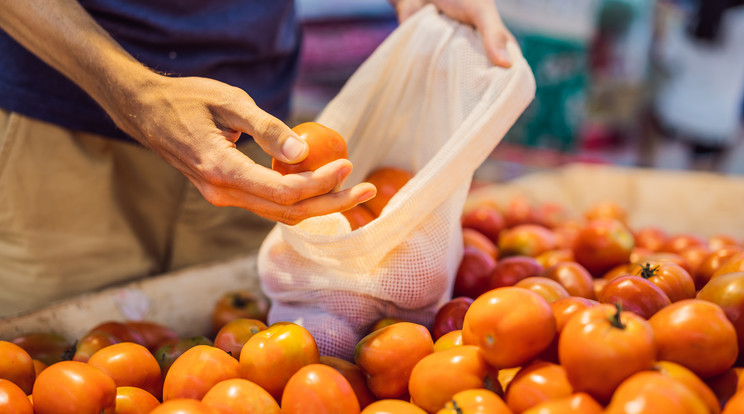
(429, 101)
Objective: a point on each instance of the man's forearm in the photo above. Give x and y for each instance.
(65, 36)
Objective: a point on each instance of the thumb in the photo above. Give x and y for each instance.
(271, 134)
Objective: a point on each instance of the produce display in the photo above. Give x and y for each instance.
(551, 312)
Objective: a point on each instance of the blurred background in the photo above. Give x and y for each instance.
(641, 83)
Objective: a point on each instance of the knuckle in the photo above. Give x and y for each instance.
(267, 126)
(285, 195)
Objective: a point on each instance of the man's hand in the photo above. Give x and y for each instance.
(193, 123)
(481, 14)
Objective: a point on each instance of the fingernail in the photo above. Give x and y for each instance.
(504, 56)
(293, 148)
(344, 172)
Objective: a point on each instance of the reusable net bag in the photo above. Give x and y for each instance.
(429, 101)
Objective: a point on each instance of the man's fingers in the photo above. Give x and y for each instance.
(495, 34)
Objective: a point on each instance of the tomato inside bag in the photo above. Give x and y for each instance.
(428, 101)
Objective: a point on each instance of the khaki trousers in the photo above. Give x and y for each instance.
(79, 212)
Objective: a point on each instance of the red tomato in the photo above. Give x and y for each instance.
(601, 346)
(437, 377)
(727, 291)
(475, 401)
(448, 340)
(130, 364)
(650, 237)
(473, 277)
(721, 240)
(388, 181)
(652, 392)
(387, 357)
(133, 400)
(578, 403)
(606, 209)
(91, 343)
(354, 375)
(603, 244)
(664, 257)
(153, 334)
(526, 240)
(184, 406)
(240, 396)
(695, 256)
(358, 216)
(13, 400)
(711, 263)
(318, 389)
(47, 347)
(734, 264)
(566, 235)
(236, 333)
(17, 366)
(272, 356)
(238, 304)
(197, 370)
(450, 316)
(519, 210)
(510, 270)
(572, 276)
(563, 310)
(392, 407)
(550, 214)
(675, 281)
(511, 325)
(535, 383)
(635, 294)
(325, 145)
(696, 334)
(476, 239)
(692, 381)
(121, 331)
(549, 289)
(87, 390)
(486, 219)
(724, 385)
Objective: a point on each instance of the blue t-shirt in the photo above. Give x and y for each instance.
(250, 44)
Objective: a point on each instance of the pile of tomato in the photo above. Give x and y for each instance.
(551, 313)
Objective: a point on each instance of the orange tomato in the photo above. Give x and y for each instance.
(697, 334)
(711, 263)
(130, 364)
(735, 405)
(240, 396)
(478, 240)
(636, 294)
(735, 263)
(392, 407)
(692, 381)
(448, 340)
(236, 304)
(17, 366)
(475, 401)
(358, 216)
(354, 375)
(652, 392)
(549, 289)
(325, 145)
(535, 383)
(601, 346)
(573, 277)
(486, 219)
(511, 325)
(650, 237)
(563, 310)
(675, 281)
(383, 322)
(437, 377)
(388, 180)
(606, 209)
(13, 400)
(526, 240)
(133, 400)
(695, 256)
(87, 390)
(578, 403)
(272, 356)
(724, 385)
(676, 243)
(387, 357)
(234, 334)
(197, 370)
(602, 244)
(184, 406)
(555, 256)
(39, 366)
(319, 389)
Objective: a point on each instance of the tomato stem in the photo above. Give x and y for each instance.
(456, 407)
(647, 271)
(615, 318)
(69, 352)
